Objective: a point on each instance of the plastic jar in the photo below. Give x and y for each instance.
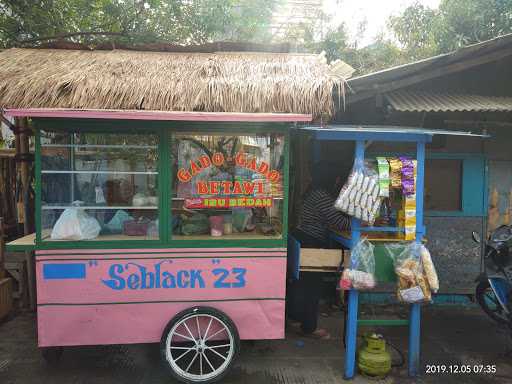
(216, 226)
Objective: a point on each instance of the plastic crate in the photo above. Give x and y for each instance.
(5, 297)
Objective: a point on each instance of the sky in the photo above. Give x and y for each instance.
(376, 12)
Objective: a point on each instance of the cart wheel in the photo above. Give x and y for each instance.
(199, 345)
(52, 355)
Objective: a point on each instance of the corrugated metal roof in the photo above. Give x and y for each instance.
(390, 129)
(420, 101)
(368, 81)
(400, 77)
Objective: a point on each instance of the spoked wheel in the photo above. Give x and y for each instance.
(199, 345)
(489, 302)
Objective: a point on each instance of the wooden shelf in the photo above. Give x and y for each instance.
(103, 146)
(50, 172)
(98, 207)
(24, 241)
(112, 237)
(234, 236)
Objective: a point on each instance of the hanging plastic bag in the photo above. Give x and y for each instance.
(413, 284)
(359, 197)
(75, 224)
(361, 275)
(428, 268)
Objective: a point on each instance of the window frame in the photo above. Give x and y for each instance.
(164, 130)
(474, 185)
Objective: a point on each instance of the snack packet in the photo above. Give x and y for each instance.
(413, 280)
(383, 168)
(359, 197)
(395, 166)
(362, 271)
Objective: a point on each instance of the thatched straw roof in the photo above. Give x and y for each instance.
(213, 82)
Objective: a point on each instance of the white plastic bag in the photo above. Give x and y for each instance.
(75, 224)
(359, 197)
(413, 281)
(362, 272)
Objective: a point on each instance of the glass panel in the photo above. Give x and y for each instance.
(114, 224)
(227, 186)
(443, 185)
(113, 178)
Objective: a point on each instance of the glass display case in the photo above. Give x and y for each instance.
(227, 186)
(99, 186)
(161, 185)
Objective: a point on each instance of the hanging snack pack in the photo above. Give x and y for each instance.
(407, 213)
(359, 197)
(414, 282)
(408, 176)
(428, 267)
(395, 166)
(383, 168)
(361, 275)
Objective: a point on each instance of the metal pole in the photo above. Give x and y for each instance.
(353, 295)
(415, 314)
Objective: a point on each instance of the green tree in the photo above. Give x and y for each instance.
(414, 30)
(173, 21)
(383, 53)
(424, 32)
(463, 22)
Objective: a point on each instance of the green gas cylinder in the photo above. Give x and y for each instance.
(373, 359)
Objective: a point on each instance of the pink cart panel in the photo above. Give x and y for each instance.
(123, 296)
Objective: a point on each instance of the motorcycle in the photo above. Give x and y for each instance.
(494, 289)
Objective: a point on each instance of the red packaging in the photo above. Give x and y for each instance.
(345, 282)
(194, 203)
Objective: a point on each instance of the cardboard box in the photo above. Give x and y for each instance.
(323, 260)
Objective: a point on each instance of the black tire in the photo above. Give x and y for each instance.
(485, 296)
(188, 314)
(52, 355)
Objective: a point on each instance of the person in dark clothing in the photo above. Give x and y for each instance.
(317, 216)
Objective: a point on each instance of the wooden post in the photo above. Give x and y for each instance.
(2, 249)
(23, 151)
(24, 169)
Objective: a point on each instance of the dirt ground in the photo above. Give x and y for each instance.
(450, 335)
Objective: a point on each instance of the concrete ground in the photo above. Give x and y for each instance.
(450, 335)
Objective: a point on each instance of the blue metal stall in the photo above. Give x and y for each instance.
(361, 136)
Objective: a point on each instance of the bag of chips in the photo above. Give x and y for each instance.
(428, 267)
(408, 176)
(395, 166)
(413, 280)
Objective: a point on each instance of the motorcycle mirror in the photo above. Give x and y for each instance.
(476, 236)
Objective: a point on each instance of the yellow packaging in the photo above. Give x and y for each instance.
(410, 217)
(409, 202)
(410, 232)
